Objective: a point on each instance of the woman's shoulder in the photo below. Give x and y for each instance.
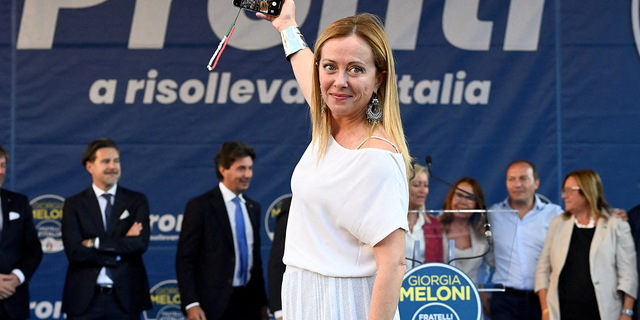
(380, 140)
(377, 142)
(617, 223)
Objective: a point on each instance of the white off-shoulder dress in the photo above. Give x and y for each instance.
(343, 204)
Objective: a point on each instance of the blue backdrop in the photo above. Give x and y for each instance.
(481, 84)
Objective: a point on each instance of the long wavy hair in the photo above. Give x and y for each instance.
(369, 28)
(475, 221)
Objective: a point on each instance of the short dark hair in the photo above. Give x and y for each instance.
(229, 152)
(4, 153)
(533, 167)
(89, 153)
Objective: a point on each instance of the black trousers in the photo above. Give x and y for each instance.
(241, 307)
(105, 306)
(4, 315)
(520, 305)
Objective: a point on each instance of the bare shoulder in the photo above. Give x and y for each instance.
(380, 140)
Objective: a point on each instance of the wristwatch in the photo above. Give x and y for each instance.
(628, 312)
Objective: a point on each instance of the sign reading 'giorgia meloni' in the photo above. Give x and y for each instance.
(437, 291)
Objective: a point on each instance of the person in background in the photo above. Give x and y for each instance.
(425, 232)
(218, 261)
(465, 228)
(276, 266)
(518, 239)
(634, 223)
(105, 231)
(587, 269)
(20, 249)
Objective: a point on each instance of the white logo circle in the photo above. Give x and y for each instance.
(635, 21)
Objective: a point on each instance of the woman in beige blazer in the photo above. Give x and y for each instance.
(587, 268)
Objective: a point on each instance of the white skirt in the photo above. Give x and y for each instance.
(308, 295)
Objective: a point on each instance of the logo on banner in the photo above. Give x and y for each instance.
(272, 213)
(438, 291)
(635, 22)
(47, 215)
(165, 301)
(47, 309)
(165, 227)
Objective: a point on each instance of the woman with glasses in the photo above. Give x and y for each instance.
(587, 268)
(465, 227)
(423, 241)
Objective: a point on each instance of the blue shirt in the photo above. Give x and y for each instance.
(517, 243)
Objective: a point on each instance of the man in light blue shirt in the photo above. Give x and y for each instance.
(518, 241)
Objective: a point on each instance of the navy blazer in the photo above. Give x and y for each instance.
(205, 260)
(82, 219)
(19, 249)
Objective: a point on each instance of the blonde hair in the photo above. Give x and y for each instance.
(368, 27)
(417, 169)
(591, 188)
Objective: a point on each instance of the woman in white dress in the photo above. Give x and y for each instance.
(345, 240)
(464, 227)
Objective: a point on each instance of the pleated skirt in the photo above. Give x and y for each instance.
(308, 295)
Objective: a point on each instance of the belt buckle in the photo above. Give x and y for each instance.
(105, 288)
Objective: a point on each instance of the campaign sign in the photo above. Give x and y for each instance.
(165, 300)
(438, 291)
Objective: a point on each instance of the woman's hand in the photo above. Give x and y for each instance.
(545, 316)
(542, 295)
(287, 17)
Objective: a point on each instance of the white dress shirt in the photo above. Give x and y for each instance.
(103, 279)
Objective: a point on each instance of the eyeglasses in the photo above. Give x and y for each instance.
(464, 196)
(569, 189)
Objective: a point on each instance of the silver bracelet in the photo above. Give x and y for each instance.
(292, 41)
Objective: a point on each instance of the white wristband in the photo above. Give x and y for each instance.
(292, 41)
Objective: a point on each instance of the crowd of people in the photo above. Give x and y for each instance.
(579, 262)
(356, 220)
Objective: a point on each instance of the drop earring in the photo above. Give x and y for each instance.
(374, 110)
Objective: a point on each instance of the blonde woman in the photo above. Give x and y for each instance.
(345, 240)
(587, 268)
(423, 228)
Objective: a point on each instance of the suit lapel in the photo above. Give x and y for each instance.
(220, 212)
(5, 212)
(252, 216)
(598, 236)
(93, 209)
(564, 240)
(119, 204)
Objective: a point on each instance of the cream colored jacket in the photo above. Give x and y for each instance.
(612, 262)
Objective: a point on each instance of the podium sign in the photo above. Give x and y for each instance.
(437, 291)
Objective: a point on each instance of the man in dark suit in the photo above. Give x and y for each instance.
(218, 264)
(105, 231)
(276, 267)
(20, 249)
